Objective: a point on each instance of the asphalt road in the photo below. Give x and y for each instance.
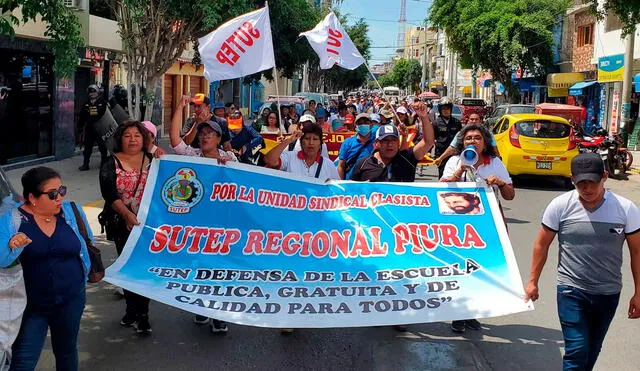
(527, 341)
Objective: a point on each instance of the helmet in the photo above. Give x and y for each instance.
(119, 91)
(445, 102)
(93, 88)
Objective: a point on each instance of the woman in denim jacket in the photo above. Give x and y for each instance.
(42, 235)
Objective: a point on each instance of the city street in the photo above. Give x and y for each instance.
(526, 341)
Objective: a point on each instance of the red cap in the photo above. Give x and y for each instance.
(349, 119)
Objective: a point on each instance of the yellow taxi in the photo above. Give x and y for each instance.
(535, 144)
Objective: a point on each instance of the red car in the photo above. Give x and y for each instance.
(472, 105)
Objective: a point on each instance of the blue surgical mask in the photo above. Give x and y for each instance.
(363, 130)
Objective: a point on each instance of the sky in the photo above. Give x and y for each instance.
(382, 17)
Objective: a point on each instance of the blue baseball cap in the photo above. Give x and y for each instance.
(218, 105)
(387, 131)
(374, 117)
(321, 112)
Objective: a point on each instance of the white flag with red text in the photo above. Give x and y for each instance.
(239, 47)
(333, 45)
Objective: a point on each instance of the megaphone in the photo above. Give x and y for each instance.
(469, 156)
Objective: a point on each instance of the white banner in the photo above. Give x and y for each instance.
(239, 47)
(333, 45)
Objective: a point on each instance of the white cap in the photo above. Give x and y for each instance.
(307, 118)
(403, 110)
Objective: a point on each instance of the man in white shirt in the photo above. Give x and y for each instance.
(308, 161)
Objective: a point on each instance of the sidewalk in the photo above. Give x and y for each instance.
(635, 167)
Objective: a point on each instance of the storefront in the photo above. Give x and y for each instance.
(26, 101)
(610, 75)
(587, 93)
(558, 85)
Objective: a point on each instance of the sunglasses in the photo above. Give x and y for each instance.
(53, 194)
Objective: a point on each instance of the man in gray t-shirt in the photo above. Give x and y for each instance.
(592, 225)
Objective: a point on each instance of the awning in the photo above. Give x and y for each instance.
(558, 83)
(465, 89)
(435, 84)
(636, 82)
(576, 89)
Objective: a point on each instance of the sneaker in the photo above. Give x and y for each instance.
(400, 328)
(458, 326)
(200, 320)
(219, 326)
(128, 320)
(473, 324)
(84, 168)
(142, 325)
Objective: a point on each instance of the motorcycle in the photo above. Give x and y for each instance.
(614, 156)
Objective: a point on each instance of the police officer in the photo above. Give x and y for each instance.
(445, 127)
(92, 112)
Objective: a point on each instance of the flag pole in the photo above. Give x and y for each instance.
(275, 79)
(382, 90)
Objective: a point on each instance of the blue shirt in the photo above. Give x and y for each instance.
(351, 146)
(52, 266)
(247, 137)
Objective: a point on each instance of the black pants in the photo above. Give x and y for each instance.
(136, 304)
(90, 139)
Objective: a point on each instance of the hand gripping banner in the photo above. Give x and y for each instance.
(240, 47)
(266, 248)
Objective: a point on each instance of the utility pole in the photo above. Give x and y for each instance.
(625, 120)
(424, 62)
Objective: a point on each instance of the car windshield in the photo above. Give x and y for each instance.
(523, 109)
(543, 129)
(472, 102)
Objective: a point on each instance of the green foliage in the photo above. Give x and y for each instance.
(413, 75)
(399, 72)
(500, 35)
(62, 28)
(627, 10)
(386, 80)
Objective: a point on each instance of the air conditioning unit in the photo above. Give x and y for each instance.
(76, 4)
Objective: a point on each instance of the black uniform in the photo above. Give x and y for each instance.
(444, 131)
(89, 115)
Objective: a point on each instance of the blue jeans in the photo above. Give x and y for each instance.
(64, 322)
(585, 319)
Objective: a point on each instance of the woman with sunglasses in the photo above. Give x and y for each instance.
(122, 180)
(42, 235)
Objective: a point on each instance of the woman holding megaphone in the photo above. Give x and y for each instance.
(477, 160)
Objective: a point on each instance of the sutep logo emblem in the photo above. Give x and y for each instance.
(182, 191)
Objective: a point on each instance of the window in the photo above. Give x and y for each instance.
(585, 35)
(543, 129)
(612, 22)
(417, 51)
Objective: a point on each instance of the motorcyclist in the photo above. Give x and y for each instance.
(90, 114)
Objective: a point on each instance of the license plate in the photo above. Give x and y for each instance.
(545, 165)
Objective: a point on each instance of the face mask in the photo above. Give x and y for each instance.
(363, 130)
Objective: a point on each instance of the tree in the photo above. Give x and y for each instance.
(399, 73)
(62, 28)
(413, 75)
(500, 35)
(386, 80)
(627, 10)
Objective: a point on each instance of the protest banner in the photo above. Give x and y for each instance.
(333, 142)
(267, 248)
(241, 46)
